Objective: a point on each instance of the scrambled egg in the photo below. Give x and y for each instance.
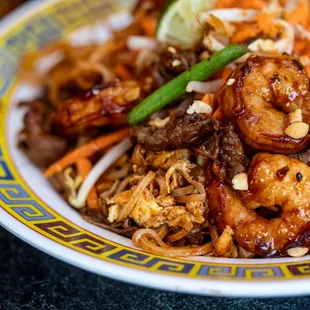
(145, 208)
(225, 246)
(152, 212)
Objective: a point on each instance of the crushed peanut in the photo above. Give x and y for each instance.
(199, 107)
(231, 82)
(172, 50)
(159, 123)
(297, 252)
(204, 55)
(267, 45)
(176, 62)
(133, 94)
(240, 182)
(295, 116)
(297, 130)
(305, 60)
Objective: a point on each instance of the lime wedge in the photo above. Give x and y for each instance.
(178, 23)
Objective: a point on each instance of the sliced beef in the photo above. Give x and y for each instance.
(224, 148)
(168, 63)
(305, 156)
(37, 139)
(175, 61)
(189, 131)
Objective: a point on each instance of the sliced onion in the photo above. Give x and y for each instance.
(301, 32)
(204, 87)
(102, 165)
(141, 43)
(44, 64)
(212, 44)
(245, 57)
(230, 15)
(286, 43)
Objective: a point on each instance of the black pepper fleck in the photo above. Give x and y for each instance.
(299, 177)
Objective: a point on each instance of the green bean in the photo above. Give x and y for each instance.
(177, 87)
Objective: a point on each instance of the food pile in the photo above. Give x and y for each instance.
(187, 131)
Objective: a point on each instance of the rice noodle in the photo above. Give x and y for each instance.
(122, 186)
(160, 248)
(183, 191)
(162, 231)
(118, 174)
(136, 195)
(118, 231)
(177, 236)
(196, 184)
(184, 105)
(141, 43)
(230, 15)
(204, 87)
(110, 191)
(103, 164)
(191, 198)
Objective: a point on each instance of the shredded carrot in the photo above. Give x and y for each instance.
(208, 98)
(242, 4)
(87, 150)
(266, 24)
(245, 31)
(148, 24)
(226, 74)
(301, 13)
(84, 167)
(308, 70)
(122, 72)
(301, 46)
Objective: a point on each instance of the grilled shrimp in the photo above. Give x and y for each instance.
(259, 98)
(100, 106)
(274, 180)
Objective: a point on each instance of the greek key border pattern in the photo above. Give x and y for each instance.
(16, 198)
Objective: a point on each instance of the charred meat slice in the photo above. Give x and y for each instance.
(225, 149)
(38, 138)
(304, 156)
(189, 131)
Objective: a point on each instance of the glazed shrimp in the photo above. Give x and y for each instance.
(274, 180)
(102, 105)
(258, 98)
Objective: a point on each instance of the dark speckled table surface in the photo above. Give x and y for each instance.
(30, 279)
